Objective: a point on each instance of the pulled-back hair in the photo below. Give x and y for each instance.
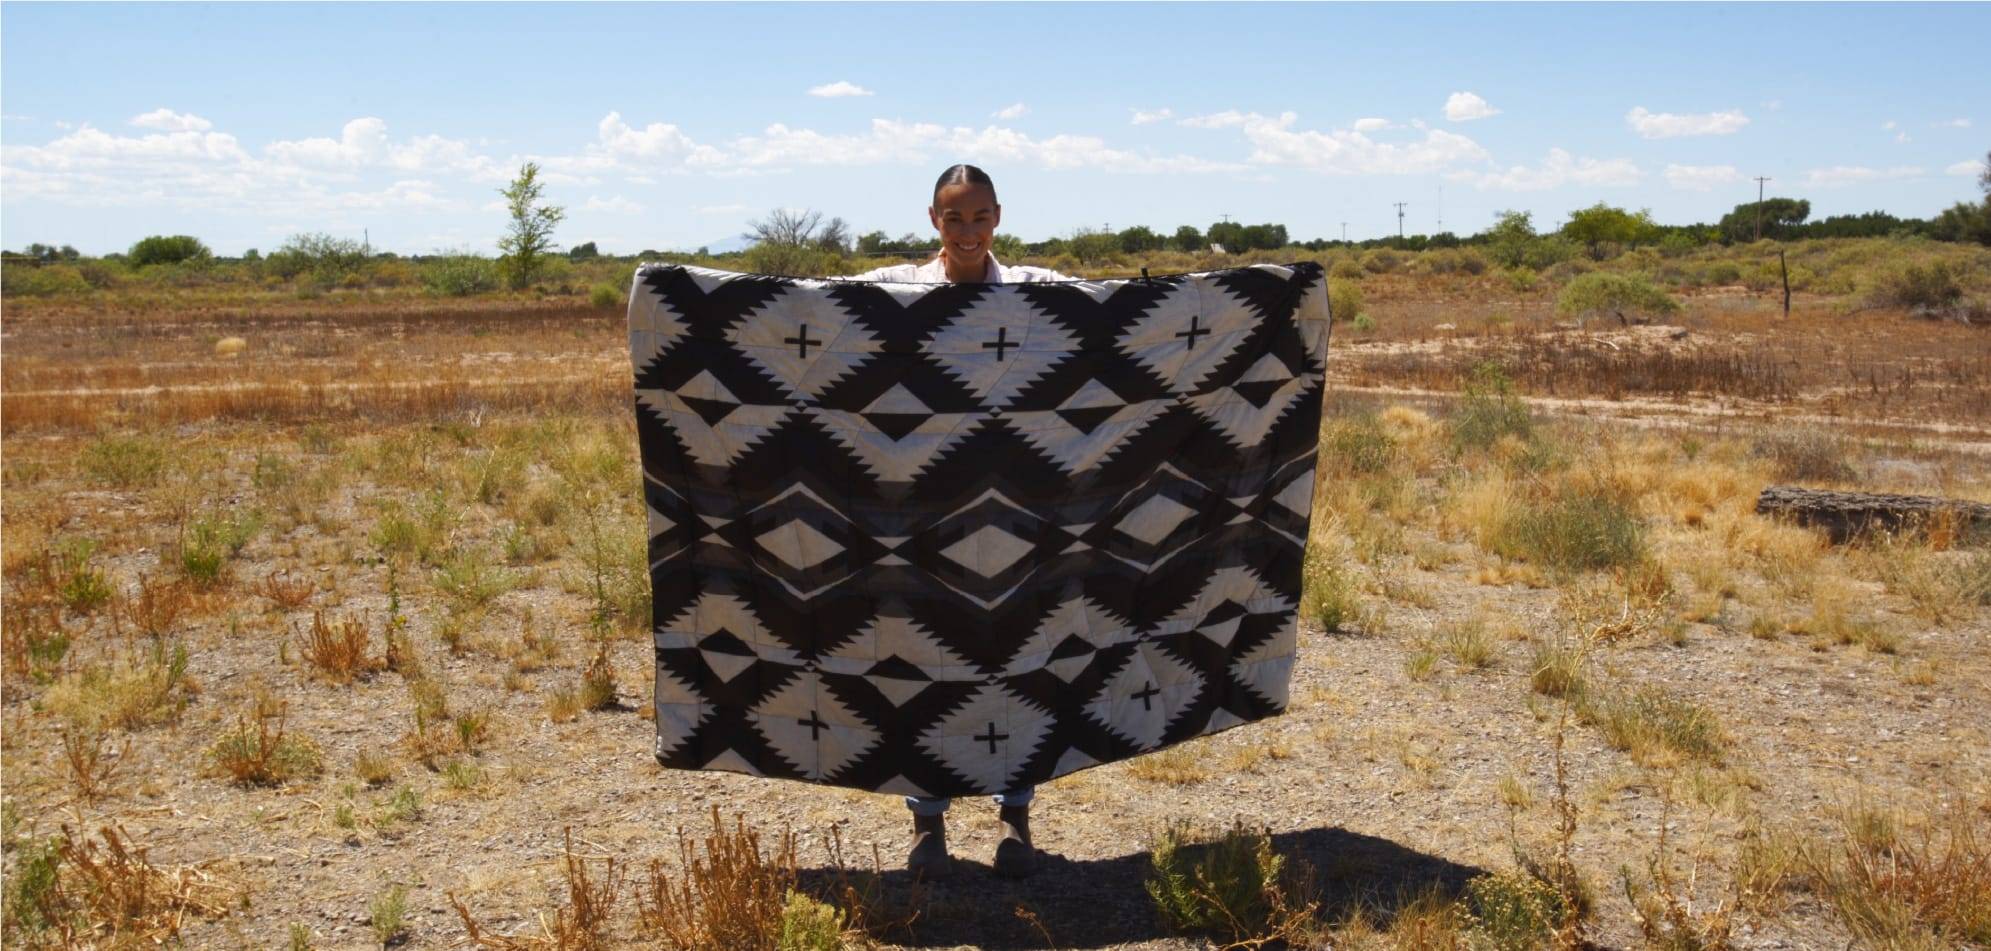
(962, 175)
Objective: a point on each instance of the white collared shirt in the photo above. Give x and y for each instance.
(935, 272)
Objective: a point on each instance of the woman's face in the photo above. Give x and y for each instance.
(966, 216)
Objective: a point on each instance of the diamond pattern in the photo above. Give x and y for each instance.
(960, 538)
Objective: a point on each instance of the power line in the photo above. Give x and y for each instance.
(1399, 219)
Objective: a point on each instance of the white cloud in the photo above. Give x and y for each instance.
(1372, 125)
(1216, 120)
(1275, 141)
(1701, 178)
(1901, 136)
(1466, 106)
(1888, 125)
(1558, 169)
(614, 204)
(838, 89)
(166, 120)
(1145, 116)
(1841, 175)
(1952, 124)
(1667, 125)
(1966, 167)
(892, 140)
(1014, 110)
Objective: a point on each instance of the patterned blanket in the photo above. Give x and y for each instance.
(941, 539)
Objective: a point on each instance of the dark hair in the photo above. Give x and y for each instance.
(962, 175)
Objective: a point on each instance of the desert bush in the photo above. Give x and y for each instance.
(729, 893)
(1802, 454)
(1628, 298)
(1381, 261)
(1347, 269)
(1580, 530)
(1344, 300)
(459, 275)
(167, 249)
(125, 462)
(259, 751)
(1489, 410)
(132, 692)
(1522, 278)
(54, 280)
(1655, 727)
(338, 649)
(1229, 884)
(68, 891)
(1931, 289)
(606, 296)
(1897, 888)
(1454, 261)
(1516, 911)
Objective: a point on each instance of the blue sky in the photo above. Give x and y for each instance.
(668, 126)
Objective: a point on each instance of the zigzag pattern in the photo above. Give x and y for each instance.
(943, 539)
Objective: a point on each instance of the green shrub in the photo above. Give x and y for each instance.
(54, 280)
(790, 260)
(167, 249)
(1521, 278)
(1934, 289)
(1516, 911)
(1344, 300)
(1381, 261)
(1620, 295)
(1225, 886)
(1328, 594)
(1347, 269)
(1578, 531)
(1364, 323)
(125, 462)
(810, 925)
(459, 275)
(605, 296)
(1490, 410)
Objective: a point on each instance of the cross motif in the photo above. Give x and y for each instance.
(1146, 697)
(1193, 331)
(991, 737)
(1002, 342)
(802, 342)
(815, 725)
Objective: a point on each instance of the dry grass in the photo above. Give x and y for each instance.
(338, 649)
(71, 891)
(1898, 880)
(260, 751)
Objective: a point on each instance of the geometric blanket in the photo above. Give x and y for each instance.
(945, 539)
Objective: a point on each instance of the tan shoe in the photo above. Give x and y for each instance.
(1015, 857)
(928, 858)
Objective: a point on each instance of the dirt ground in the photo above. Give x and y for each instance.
(1398, 769)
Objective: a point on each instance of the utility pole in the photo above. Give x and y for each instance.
(1399, 219)
(1760, 179)
(366, 241)
(1441, 209)
(1344, 232)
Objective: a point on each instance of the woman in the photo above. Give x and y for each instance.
(966, 213)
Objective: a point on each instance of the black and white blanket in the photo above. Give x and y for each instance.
(940, 539)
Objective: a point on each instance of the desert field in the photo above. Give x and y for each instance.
(326, 612)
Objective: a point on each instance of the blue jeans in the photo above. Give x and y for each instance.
(1015, 798)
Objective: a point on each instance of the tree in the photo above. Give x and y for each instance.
(1781, 218)
(168, 249)
(531, 234)
(583, 252)
(835, 237)
(1600, 226)
(786, 242)
(785, 226)
(327, 259)
(1187, 238)
(1139, 238)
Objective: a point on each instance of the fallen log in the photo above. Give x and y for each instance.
(1846, 515)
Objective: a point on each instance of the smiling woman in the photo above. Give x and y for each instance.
(966, 213)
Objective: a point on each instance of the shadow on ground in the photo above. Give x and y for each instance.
(1099, 902)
